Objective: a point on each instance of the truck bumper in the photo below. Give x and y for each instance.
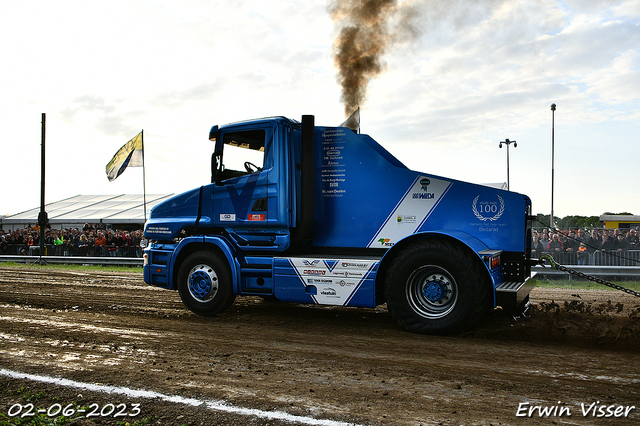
(511, 294)
(156, 267)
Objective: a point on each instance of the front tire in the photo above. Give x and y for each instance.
(436, 287)
(204, 284)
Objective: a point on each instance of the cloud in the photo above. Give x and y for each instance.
(119, 125)
(593, 6)
(619, 82)
(628, 8)
(108, 117)
(86, 103)
(506, 63)
(458, 76)
(177, 98)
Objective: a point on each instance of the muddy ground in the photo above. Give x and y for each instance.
(334, 365)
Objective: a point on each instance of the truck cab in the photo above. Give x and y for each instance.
(314, 214)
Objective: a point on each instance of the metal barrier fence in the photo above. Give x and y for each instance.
(599, 258)
(630, 273)
(72, 251)
(74, 260)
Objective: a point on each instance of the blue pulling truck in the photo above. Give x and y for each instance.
(323, 215)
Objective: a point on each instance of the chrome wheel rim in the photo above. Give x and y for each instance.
(202, 283)
(431, 291)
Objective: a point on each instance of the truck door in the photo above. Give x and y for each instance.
(245, 196)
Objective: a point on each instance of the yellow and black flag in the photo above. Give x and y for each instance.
(130, 155)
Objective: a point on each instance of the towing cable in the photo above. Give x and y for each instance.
(563, 268)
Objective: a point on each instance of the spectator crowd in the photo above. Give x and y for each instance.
(597, 247)
(576, 247)
(91, 240)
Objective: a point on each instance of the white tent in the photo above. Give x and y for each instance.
(74, 212)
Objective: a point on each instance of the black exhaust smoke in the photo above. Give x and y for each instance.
(362, 40)
(367, 29)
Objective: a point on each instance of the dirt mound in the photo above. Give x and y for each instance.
(588, 318)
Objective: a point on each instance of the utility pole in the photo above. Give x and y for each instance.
(43, 220)
(553, 112)
(508, 142)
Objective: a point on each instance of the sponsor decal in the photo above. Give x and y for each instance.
(227, 217)
(159, 229)
(314, 272)
(411, 211)
(328, 291)
(256, 217)
(356, 265)
(348, 274)
(339, 279)
(385, 242)
(407, 218)
(488, 210)
(319, 281)
(333, 192)
(425, 184)
(424, 196)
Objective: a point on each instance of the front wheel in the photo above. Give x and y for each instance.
(436, 287)
(204, 284)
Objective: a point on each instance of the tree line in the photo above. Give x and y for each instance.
(572, 222)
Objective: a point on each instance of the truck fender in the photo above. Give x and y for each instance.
(469, 241)
(194, 244)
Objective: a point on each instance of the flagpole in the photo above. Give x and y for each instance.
(144, 179)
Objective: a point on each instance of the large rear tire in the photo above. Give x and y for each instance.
(204, 284)
(436, 287)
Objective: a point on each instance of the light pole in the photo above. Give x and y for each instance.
(553, 113)
(508, 142)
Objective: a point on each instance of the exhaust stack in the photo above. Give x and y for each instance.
(307, 177)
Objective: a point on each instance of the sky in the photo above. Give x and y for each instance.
(458, 78)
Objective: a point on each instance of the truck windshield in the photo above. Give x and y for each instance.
(243, 153)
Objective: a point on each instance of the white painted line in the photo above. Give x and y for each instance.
(211, 405)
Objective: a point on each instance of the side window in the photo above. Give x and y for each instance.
(243, 153)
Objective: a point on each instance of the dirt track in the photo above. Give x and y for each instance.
(340, 364)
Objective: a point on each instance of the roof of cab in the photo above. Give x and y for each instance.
(282, 119)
